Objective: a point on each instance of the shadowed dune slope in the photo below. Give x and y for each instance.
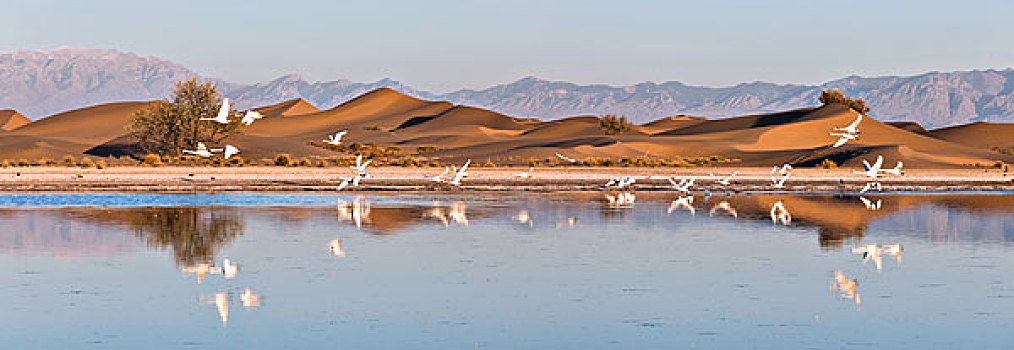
(979, 135)
(11, 119)
(671, 124)
(288, 108)
(909, 126)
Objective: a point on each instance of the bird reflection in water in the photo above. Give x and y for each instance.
(357, 212)
(335, 247)
(437, 212)
(228, 270)
(621, 199)
(222, 300)
(779, 214)
(458, 213)
(250, 300)
(846, 287)
(870, 252)
(871, 205)
(725, 207)
(873, 252)
(570, 222)
(523, 217)
(683, 202)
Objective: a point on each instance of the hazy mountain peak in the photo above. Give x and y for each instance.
(40, 82)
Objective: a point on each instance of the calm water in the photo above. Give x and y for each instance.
(506, 271)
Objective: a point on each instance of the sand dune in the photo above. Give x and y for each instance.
(388, 118)
(288, 108)
(979, 135)
(11, 119)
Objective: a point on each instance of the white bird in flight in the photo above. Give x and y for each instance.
(894, 171)
(250, 117)
(567, 159)
(621, 183)
(336, 139)
(779, 184)
(871, 171)
(784, 169)
(227, 151)
(438, 178)
(683, 186)
(843, 138)
(360, 166)
(459, 173)
(528, 174)
(223, 113)
(852, 128)
(725, 181)
(201, 151)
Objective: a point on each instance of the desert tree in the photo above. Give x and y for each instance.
(830, 96)
(171, 125)
(613, 124)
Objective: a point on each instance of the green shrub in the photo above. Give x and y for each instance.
(86, 163)
(69, 160)
(101, 164)
(828, 164)
(830, 96)
(305, 162)
(424, 149)
(5, 164)
(283, 159)
(152, 160)
(371, 128)
(613, 124)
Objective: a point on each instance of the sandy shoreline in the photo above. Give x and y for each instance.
(209, 179)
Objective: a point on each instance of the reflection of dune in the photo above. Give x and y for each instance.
(49, 232)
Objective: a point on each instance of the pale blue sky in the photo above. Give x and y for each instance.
(445, 45)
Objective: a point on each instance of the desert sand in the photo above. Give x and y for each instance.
(207, 179)
(450, 133)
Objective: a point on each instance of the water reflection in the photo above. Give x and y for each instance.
(846, 287)
(193, 234)
(739, 275)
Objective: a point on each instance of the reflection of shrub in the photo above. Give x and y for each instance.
(613, 124)
(283, 159)
(828, 164)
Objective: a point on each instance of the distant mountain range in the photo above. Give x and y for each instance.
(40, 83)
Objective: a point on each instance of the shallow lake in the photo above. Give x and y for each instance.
(507, 271)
